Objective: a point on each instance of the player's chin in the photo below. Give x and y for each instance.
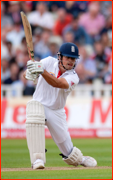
(69, 67)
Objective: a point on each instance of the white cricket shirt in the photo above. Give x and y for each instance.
(52, 97)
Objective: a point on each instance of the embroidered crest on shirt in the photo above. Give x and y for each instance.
(52, 73)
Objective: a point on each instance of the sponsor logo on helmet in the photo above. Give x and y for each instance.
(72, 49)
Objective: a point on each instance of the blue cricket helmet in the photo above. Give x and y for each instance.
(69, 50)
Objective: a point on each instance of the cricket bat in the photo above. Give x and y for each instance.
(28, 35)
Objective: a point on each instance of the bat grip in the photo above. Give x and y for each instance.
(35, 81)
(32, 58)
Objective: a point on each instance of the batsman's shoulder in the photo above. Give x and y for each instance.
(72, 78)
(75, 77)
(52, 59)
(49, 60)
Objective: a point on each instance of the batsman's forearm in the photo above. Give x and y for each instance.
(53, 81)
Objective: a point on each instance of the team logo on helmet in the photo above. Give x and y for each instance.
(72, 49)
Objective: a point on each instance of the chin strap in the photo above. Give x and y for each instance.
(63, 65)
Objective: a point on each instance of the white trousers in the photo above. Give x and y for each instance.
(57, 125)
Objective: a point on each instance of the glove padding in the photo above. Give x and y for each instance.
(35, 67)
(30, 76)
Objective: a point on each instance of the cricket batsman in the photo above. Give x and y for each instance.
(56, 79)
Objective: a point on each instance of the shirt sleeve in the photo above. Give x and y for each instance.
(72, 80)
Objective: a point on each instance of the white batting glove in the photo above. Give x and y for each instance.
(35, 67)
(30, 76)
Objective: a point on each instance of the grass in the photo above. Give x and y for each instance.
(14, 154)
(71, 174)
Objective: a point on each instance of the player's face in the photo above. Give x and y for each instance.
(68, 62)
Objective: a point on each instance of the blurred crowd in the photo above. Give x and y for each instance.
(88, 24)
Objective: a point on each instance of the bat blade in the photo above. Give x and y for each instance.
(28, 35)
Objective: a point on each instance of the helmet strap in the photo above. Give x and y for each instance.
(62, 62)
